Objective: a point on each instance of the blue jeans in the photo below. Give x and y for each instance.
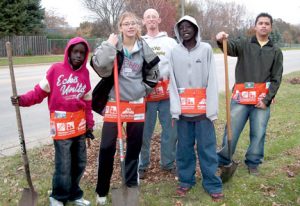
(258, 119)
(201, 133)
(70, 162)
(168, 135)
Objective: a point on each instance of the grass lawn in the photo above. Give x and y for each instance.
(277, 185)
(32, 60)
(57, 58)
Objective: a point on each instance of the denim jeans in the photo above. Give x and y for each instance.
(70, 162)
(258, 119)
(168, 135)
(201, 133)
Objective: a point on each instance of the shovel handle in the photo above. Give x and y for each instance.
(18, 115)
(11, 69)
(117, 94)
(227, 94)
(119, 124)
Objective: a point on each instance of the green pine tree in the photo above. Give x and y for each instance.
(21, 17)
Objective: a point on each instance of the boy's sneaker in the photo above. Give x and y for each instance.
(101, 200)
(55, 202)
(80, 202)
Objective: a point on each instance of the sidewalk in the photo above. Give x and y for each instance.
(13, 148)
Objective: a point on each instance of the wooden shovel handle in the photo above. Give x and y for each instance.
(227, 92)
(18, 115)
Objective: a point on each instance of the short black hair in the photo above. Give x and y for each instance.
(263, 14)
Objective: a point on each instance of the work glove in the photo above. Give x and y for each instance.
(89, 134)
(14, 100)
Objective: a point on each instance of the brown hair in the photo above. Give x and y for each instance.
(134, 16)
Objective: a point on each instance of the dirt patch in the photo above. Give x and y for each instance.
(295, 80)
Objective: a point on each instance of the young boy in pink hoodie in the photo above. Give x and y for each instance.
(67, 87)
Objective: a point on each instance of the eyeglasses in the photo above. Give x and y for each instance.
(133, 23)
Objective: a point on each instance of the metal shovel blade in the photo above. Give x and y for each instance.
(228, 171)
(125, 196)
(29, 198)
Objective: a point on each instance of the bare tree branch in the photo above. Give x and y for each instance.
(107, 11)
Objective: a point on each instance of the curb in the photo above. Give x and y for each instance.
(27, 65)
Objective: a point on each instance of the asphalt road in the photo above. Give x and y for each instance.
(36, 118)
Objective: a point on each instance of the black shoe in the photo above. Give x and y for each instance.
(253, 171)
(142, 174)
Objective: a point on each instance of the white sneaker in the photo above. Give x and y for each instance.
(81, 202)
(101, 200)
(55, 202)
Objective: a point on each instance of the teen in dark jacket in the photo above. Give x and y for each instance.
(258, 76)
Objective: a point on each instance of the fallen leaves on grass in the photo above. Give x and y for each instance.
(290, 173)
(276, 204)
(178, 203)
(293, 169)
(153, 174)
(268, 190)
(295, 80)
(298, 200)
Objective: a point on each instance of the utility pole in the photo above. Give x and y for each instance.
(182, 8)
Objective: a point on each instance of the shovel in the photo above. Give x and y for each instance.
(123, 196)
(29, 195)
(228, 170)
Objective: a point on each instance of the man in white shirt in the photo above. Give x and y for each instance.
(158, 103)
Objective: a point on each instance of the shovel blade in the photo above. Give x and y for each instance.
(29, 198)
(228, 171)
(125, 196)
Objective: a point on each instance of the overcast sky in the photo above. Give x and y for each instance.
(287, 10)
(72, 10)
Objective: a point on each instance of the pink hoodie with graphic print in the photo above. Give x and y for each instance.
(67, 89)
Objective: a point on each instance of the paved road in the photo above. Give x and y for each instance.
(36, 118)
